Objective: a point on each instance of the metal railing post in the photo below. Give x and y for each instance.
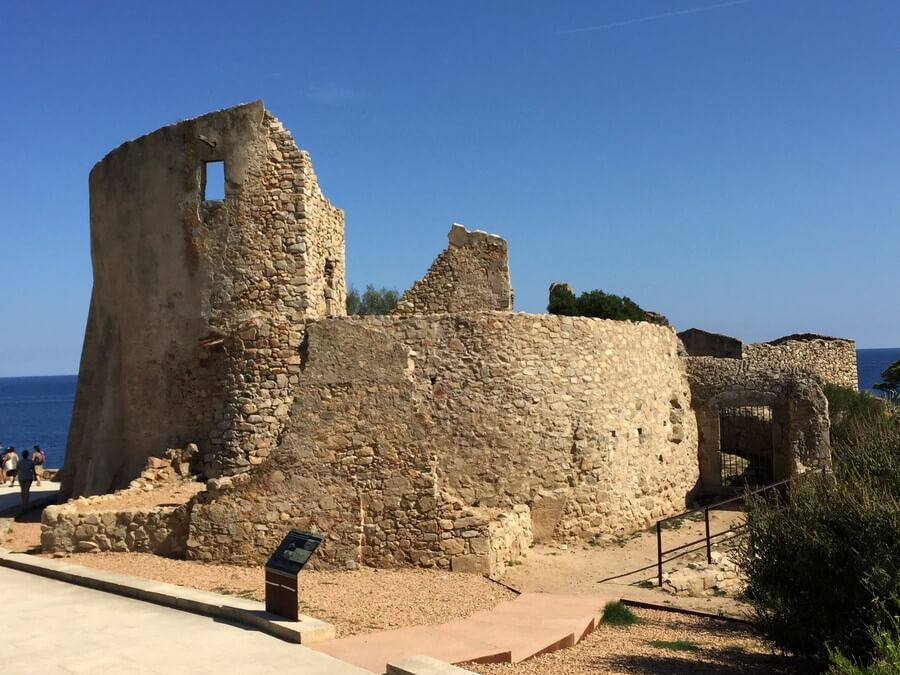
(708, 542)
(659, 552)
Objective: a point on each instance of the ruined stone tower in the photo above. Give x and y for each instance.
(195, 324)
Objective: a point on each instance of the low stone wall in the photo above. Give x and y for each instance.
(69, 528)
(484, 540)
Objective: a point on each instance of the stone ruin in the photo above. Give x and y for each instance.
(761, 412)
(451, 433)
(471, 275)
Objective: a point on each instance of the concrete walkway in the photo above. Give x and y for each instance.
(515, 630)
(11, 497)
(54, 627)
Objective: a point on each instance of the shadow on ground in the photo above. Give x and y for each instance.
(715, 662)
(727, 658)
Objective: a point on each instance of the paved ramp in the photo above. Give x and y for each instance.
(515, 630)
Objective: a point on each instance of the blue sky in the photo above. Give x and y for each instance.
(733, 165)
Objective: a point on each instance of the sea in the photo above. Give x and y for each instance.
(37, 410)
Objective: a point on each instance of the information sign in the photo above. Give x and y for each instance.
(282, 569)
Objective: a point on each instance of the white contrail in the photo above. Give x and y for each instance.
(654, 17)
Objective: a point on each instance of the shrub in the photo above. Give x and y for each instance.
(886, 659)
(853, 412)
(617, 614)
(595, 304)
(823, 571)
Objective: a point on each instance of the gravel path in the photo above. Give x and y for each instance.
(723, 648)
(361, 601)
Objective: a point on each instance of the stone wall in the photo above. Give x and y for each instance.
(193, 330)
(471, 274)
(799, 429)
(404, 430)
(69, 528)
(828, 360)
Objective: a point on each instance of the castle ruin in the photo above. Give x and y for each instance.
(451, 433)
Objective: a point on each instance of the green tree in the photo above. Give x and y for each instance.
(595, 303)
(562, 301)
(372, 301)
(890, 380)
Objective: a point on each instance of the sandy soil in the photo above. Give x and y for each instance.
(369, 600)
(578, 568)
(25, 537)
(723, 648)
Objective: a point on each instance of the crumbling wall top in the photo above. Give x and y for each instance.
(471, 274)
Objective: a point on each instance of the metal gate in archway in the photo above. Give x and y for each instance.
(746, 447)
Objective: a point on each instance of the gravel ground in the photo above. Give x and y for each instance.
(361, 601)
(724, 648)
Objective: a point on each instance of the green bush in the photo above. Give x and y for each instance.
(595, 304)
(853, 412)
(823, 571)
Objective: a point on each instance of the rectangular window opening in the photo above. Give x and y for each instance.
(212, 184)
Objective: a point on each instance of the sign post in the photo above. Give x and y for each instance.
(282, 569)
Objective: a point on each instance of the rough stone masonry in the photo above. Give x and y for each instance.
(194, 327)
(409, 436)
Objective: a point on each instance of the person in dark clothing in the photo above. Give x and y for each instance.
(25, 473)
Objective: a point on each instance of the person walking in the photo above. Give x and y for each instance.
(25, 472)
(10, 462)
(38, 458)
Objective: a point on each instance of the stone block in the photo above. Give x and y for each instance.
(423, 665)
(471, 564)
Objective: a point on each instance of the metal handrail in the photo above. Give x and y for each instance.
(708, 538)
(740, 497)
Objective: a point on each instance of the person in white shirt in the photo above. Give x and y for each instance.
(10, 462)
